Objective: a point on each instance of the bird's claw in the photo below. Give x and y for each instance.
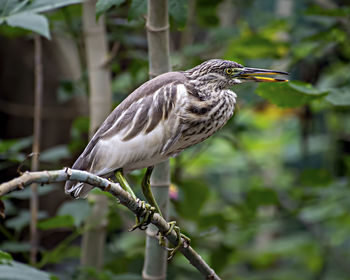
(182, 240)
(144, 216)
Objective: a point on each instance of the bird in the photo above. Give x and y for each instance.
(164, 116)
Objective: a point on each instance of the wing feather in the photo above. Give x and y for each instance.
(109, 128)
(135, 133)
(131, 128)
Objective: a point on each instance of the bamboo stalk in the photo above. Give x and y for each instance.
(100, 104)
(38, 92)
(155, 263)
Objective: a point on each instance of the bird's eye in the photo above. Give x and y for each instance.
(228, 71)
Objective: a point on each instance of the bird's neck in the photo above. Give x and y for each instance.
(205, 90)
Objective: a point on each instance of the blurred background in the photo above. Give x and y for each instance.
(268, 197)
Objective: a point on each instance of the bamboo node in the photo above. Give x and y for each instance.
(157, 29)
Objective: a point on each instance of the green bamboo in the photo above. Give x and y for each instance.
(155, 264)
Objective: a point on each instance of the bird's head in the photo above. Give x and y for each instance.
(225, 73)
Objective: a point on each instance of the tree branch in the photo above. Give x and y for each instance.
(47, 177)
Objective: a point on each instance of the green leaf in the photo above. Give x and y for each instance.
(337, 12)
(292, 94)
(306, 88)
(16, 271)
(339, 97)
(14, 145)
(22, 220)
(79, 210)
(195, 195)
(24, 14)
(80, 127)
(137, 9)
(60, 253)
(178, 11)
(304, 49)
(316, 177)
(26, 193)
(40, 6)
(31, 21)
(254, 45)
(258, 197)
(65, 221)
(15, 246)
(6, 6)
(5, 257)
(318, 213)
(55, 154)
(19, 6)
(104, 5)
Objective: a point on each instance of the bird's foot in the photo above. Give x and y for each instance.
(144, 216)
(182, 240)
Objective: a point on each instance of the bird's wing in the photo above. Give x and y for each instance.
(135, 129)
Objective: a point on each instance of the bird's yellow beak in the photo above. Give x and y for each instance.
(255, 74)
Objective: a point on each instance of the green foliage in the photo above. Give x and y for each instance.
(26, 193)
(189, 207)
(292, 94)
(178, 11)
(104, 5)
(11, 151)
(137, 9)
(57, 222)
(55, 154)
(335, 12)
(22, 220)
(90, 272)
(79, 132)
(28, 20)
(262, 44)
(70, 214)
(339, 97)
(15, 270)
(15, 247)
(205, 14)
(25, 14)
(79, 210)
(69, 89)
(5, 258)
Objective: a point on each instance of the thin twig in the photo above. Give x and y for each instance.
(38, 93)
(45, 177)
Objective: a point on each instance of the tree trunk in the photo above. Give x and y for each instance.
(100, 105)
(155, 264)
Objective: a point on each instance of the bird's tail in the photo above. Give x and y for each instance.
(78, 189)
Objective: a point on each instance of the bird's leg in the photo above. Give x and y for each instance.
(180, 238)
(140, 223)
(146, 189)
(124, 183)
